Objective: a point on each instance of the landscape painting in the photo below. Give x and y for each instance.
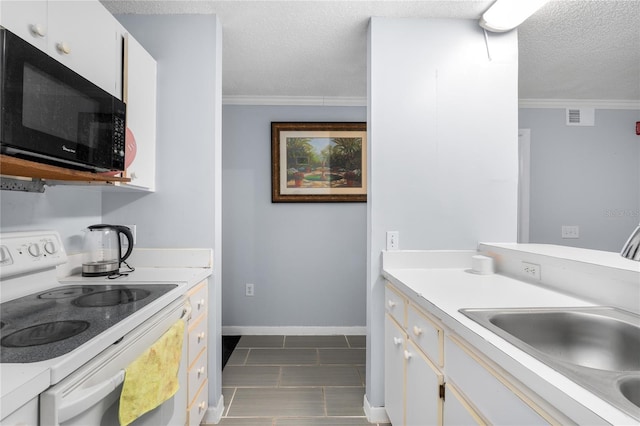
(318, 162)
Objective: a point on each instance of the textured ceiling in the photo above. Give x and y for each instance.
(570, 49)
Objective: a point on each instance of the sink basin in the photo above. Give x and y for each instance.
(630, 389)
(597, 347)
(589, 339)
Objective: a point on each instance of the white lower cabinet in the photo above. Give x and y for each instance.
(459, 412)
(497, 399)
(413, 382)
(197, 401)
(424, 384)
(433, 377)
(394, 372)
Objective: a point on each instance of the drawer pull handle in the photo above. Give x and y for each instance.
(200, 371)
(391, 304)
(202, 406)
(417, 330)
(200, 304)
(201, 336)
(397, 341)
(407, 355)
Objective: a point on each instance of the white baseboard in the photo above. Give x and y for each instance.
(240, 330)
(374, 414)
(214, 414)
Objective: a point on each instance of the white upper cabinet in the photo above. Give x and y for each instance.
(26, 19)
(140, 79)
(82, 35)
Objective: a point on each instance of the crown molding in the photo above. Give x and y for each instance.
(362, 101)
(295, 100)
(579, 103)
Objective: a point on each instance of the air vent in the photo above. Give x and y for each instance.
(580, 116)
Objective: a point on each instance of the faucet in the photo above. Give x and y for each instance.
(631, 249)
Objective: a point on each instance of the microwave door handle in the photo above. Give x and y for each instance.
(71, 407)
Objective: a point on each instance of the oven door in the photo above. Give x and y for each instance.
(90, 396)
(52, 114)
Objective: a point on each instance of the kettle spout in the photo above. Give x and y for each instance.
(631, 249)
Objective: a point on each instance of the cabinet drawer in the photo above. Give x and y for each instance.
(498, 401)
(197, 376)
(395, 305)
(197, 339)
(199, 406)
(426, 334)
(198, 300)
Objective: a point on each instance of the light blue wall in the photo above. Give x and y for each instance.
(585, 176)
(181, 211)
(306, 260)
(66, 209)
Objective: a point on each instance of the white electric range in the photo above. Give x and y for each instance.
(54, 335)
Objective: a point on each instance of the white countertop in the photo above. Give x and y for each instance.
(443, 291)
(142, 275)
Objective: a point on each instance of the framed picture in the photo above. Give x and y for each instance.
(318, 162)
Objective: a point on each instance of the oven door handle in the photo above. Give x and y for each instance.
(70, 408)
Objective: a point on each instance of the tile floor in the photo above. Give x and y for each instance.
(295, 381)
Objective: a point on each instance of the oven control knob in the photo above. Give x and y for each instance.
(34, 250)
(50, 247)
(5, 256)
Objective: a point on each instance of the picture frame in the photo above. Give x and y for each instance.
(318, 162)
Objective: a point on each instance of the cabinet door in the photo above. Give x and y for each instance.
(394, 347)
(495, 397)
(423, 402)
(83, 36)
(140, 96)
(26, 19)
(458, 412)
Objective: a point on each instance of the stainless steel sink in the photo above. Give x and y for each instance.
(597, 347)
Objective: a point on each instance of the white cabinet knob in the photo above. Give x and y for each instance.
(63, 47)
(200, 303)
(200, 371)
(202, 406)
(391, 303)
(201, 337)
(417, 330)
(38, 30)
(397, 341)
(407, 355)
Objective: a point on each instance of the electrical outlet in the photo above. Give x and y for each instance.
(393, 240)
(531, 270)
(570, 231)
(248, 290)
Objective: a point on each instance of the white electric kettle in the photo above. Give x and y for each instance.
(103, 250)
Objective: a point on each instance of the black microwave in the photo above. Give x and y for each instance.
(51, 114)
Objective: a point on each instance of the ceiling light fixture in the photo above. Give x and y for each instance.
(505, 15)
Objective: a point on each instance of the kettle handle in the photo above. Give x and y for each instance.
(127, 233)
